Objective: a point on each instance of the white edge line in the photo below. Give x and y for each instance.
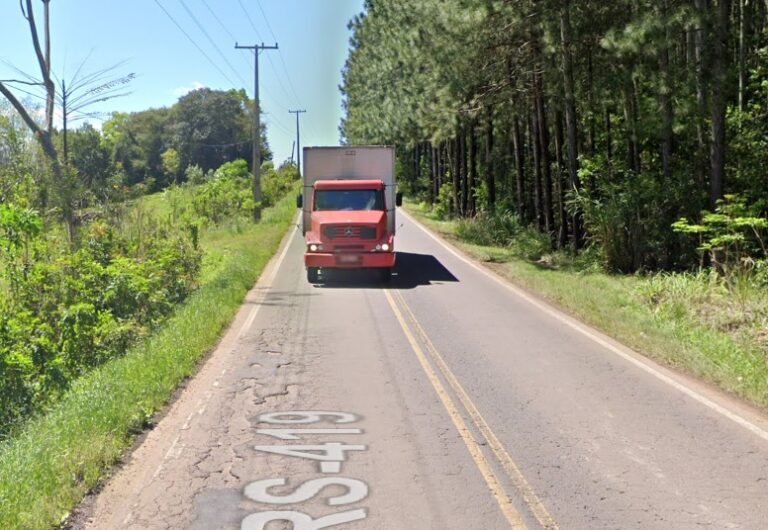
(268, 280)
(586, 331)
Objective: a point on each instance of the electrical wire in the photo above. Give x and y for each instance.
(258, 34)
(195, 44)
(296, 98)
(223, 26)
(207, 36)
(282, 59)
(248, 16)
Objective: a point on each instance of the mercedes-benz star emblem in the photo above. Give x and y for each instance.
(348, 232)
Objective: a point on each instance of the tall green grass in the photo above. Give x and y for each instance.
(47, 469)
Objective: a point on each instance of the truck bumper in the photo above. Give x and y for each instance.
(350, 261)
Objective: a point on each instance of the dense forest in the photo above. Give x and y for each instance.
(639, 129)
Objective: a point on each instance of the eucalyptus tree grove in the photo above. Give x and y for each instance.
(598, 120)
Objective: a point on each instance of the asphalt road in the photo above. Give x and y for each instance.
(446, 401)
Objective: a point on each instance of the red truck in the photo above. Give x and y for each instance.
(349, 202)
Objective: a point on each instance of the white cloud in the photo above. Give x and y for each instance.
(184, 90)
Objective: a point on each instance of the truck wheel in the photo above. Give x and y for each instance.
(313, 275)
(385, 274)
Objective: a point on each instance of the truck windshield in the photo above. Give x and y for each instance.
(349, 200)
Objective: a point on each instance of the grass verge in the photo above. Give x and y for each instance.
(47, 469)
(623, 307)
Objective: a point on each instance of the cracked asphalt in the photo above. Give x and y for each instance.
(597, 441)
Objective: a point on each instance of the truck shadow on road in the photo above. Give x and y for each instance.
(411, 271)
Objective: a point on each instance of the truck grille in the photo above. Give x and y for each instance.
(349, 232)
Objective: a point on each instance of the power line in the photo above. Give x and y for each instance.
(207, 36)
(277, 123)
(282, 59)
(258, 34)
(248, 16)
(228, 32)
(297, 98)
(195, 44)
(221, 24)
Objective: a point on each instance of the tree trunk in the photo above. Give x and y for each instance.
(570, 112)
(560, 181)
(630, 121)
(432, 173)
(519, 149)
(440, 170)
(490, 174)
(416, 165)
(591, 105)
(543, 139)
(702, 74)
(537, 192)
(457, 173)
(464, 174)
(718, 103)
(472, 169)
(665, 98)
(608, 135)
(742, 55)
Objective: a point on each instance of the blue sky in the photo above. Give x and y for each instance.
(303, 74)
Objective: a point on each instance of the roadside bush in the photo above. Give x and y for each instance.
(629, 219)
(65, 309)
(276, 183)
(69, 313)
(225, 196)
(503, 229)
(443, 208)
(734, 237)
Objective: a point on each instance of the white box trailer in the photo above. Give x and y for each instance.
(350, 163)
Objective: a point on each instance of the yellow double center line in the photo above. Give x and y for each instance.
(529, 497)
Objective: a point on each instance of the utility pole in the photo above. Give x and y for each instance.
(256, 127)
(298, 142)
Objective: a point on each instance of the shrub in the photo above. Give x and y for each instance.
(72, 312)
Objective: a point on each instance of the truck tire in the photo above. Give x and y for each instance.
(385, 274)
(313, 275)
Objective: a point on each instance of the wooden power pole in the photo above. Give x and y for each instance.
(256, 127)
(298, 142)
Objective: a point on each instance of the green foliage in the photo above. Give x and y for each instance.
(734, 237)
(90, 159)
(68, 309)
(228, 194)
(205, 128)
(628, 219)
(210, 127)
(502, 229)
(171, 163)
(73, 312)
(195, 175)
(443, 208)
(58, 457)
(275, 184)
(487, 83)
(19, 228)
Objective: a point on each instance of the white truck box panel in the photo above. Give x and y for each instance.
(350, 163)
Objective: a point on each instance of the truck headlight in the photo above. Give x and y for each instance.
(385, 247)
(313, 247)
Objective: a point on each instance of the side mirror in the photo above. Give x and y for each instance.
(299, 201)
(399, 198)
